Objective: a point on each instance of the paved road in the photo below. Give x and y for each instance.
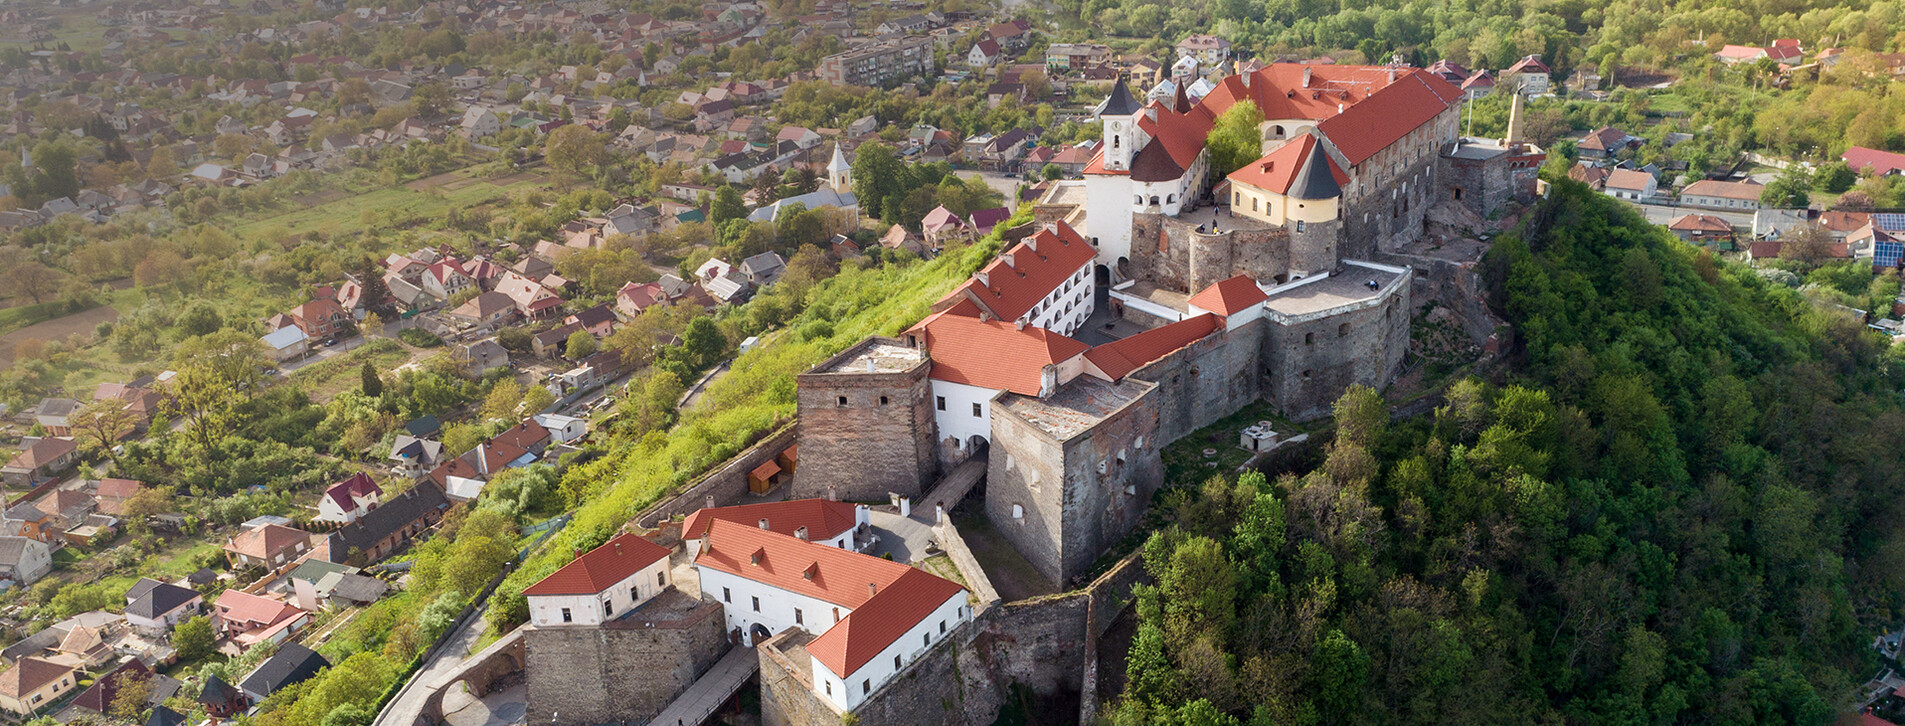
(1659, 214)
(408, 705)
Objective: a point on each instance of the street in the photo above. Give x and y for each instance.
(404, 709)
(1663, 214)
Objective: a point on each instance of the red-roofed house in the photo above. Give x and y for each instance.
(252, 619)
(1878, 162)
(873, 616)
(1733, 54)
(1701, 228)
(1238, 299)
(1044, 280)
(974, 359)
(1528, 75)
(320, 318)
(269, 546)
(601, 585)
(44, 457)
(347, 500)
(633, 298)
(816, 520)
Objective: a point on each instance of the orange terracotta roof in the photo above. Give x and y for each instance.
(601, 568)
(247, 611)
(1838, 221)
(869, 629)
(1039, 265)
(1374, 112)
(1180, 135)
(264, 541)
(1277, 169)
(994, 354)
(1700, 223)
(1119, 358)
(823, 519)
(1230, 296)
(900, 595)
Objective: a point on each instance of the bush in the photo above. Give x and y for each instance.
(419, 337)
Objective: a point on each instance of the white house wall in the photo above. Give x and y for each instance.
(849, 691)
(955, 420)
(736, 595)
(586, 609)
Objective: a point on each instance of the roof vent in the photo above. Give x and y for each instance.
(763, 523)
(801, 533)
(811, 572)
(1008, 260)
(1019, 324)
(872, 588)
(759, 554)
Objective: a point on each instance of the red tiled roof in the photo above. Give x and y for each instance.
(1119, 358)
(344, 492)
(525, 435)
(1629, 179)
(1230, 296)
(1039, 265)
(42, 452)
(98, 698)
(1838, 221)
(317, 310)
(1277, 169)
(993, 354)
(265, 541)
(823, 519)
(1880, 162)
(601, 568)
(882, 619)
(247, 611)
(1700, 223)
(1176, 140)
(901, 595)
(118, 488)
(1375, 111)
(1528, 64)
(29, 675)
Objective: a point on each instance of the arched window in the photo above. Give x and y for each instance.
(1170, 199)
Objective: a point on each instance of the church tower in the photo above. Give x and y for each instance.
(1122, 138)
(839, 172)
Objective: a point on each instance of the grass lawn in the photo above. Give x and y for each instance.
(326, 379)
(1669, 102)
(379, 206)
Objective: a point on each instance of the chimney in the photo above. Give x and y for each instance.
(1392, 74)
(1007, 257)
(1151, 112)
(1031, 243)
(983, 278)
(1018, 324)
(763, 523)
(833, 493)
(1247, 79)
(1514, 120)
(708, 501)
(1306, 76)
(801, 533)
(872, 588)
(618, 549)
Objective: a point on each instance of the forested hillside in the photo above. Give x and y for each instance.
(1676, 503)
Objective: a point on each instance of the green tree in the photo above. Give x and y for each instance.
(216, 374)
(575, 148)
(878, 176)
(193, 639)
(505, 398)
(199, 319)
(1341, 670)
(369, 383)
(581, 344)
(1234, 140)
(1789, 191)
(703, 342)
(727, 205)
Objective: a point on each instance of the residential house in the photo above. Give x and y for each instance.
(24, 560)
(321, 318)
(1076, 56)
(249, 619)
(1701, 229)
(1713, 194)
(562, 429)
(100, 697)
(414, 456)
(1604, 143)
(269, 545)
(599, 321)
(634, 298)
(898, 237)
(484, 312)
(984, 53)
(39, 459)
(769, 582)
(291, 665)
(1630, 185)
(1209, 50)
(317, 583)
(1013, 36)
(153, 607)
(1528, 76)
(484, 356)
(111, 495)
(445, 278)
(55, 415)
(1874, 161)
(984, 220)
(287, 344)
(941, 227)
(32, 684)
(601, 585)
(763, 269)
(221, 699)
(383, 530)
(28, 520)
(347, 500)
(531, 299)
(478, 122)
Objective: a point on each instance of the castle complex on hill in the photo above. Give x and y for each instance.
(1261, 285)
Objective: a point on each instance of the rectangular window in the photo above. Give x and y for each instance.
(896, 662)
(727, 595)
(940, 402)
(925, 638)
(757, 603)
(866, 686)
(798, 620)
(608, 607)
(829, 689)
(942, 627)
(661, 579)
(975, 411)
(634, 594)
(566, 617)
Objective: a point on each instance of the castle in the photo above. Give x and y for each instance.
(1261, 285)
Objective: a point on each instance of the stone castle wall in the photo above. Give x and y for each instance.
(1309, 361)
(726, 485)
(1206, 381)
(1174, 255)
(879, 441)
(622, 671)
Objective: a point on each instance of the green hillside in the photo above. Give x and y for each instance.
(1676, 503)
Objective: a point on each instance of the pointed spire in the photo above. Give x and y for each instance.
(839, 162)
(1181, 103)
(1121, 102)
(1314, 180)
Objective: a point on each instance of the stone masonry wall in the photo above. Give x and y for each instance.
(1026, 467)
(726, 485)
(1205, 381)
(1099, 508)
(1174, 255)
(621, 671)
(1308, 363)
(879, 441)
